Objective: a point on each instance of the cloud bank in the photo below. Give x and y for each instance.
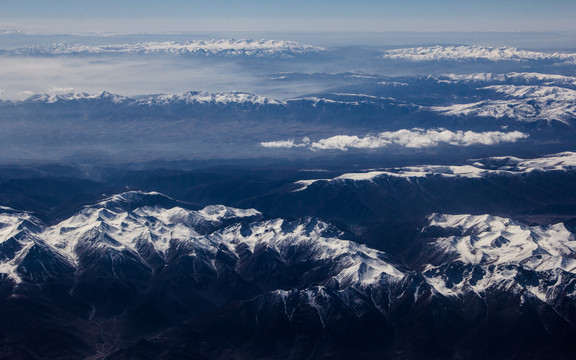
(414, 139)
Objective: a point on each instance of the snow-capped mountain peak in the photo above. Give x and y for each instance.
(352, 263)
(129, 217)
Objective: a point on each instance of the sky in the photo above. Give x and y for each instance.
(294, 15)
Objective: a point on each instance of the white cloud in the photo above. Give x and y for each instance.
(26, 93)
(60, 90)
(343, 142)
(279, 144)
(287, 144)
(415, 139)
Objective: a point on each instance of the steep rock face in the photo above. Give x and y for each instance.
(138, 276)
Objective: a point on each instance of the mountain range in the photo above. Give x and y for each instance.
(359, 198)
(139, 273)
(497, 110)
(223, 47)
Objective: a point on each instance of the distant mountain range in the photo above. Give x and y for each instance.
(188, 98)
(474, 53)
(526, 97)
(425, 112)
(223, 47)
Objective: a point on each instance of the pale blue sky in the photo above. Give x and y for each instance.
(331, 15)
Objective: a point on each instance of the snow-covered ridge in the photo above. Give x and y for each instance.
(354, 263)
(472, 253)
(546, 93)
(13, 222)
(524, 103)
(520, 96)
(478, 169)
(131, 223)
(202, 97)
(471, 53)
(190, 97)
(223, 47)
(500, 253)
(219, 98)
(6, 208)
(353, 101)
(76, 96)
(514, 77)
(217, 213)
(17, 231)
(130, 216)
(493, 240)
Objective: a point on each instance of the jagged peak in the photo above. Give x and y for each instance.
(131, 200)
(221, 212)
(13, 222)
(353, 263)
